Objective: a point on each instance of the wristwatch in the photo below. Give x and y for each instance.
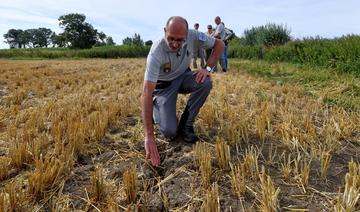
(208, 68)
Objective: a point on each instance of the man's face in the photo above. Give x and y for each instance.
(196, 27)
(217, 20)
(175, 36)
(209, 30)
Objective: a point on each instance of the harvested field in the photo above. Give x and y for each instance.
(71, 138)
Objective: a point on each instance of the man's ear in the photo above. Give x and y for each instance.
(165, 29)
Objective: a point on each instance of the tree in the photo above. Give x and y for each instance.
(100, 41)
(110, 41)
(42, 37)
(134, 41)
(26, 37)
(101, 37)
(77, 32)
(58, 40)
(14, 37)
(148, 43)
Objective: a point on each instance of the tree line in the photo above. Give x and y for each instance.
(77, 34)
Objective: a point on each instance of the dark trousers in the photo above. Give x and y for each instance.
(165, 96)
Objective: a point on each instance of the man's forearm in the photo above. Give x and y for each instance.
(147, 111)
(215, 54)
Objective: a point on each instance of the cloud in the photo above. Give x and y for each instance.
(123, 18)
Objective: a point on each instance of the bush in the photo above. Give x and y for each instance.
(269, 35)
(97, 52)
(342, 54)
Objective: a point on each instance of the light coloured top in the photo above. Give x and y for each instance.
(166, 65)
(210, 34)
(221, 30)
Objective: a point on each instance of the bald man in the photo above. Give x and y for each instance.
(220, 33)
(167, 74)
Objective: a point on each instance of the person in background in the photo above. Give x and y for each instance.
(210, 32)
(167, 74)
(220, 34)
(198, 52)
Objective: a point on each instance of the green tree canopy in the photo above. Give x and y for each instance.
(58, 40)
(148, 43)
(134, 41)
(42, 37)
(78, 33)
(15, 38)
(110, 41)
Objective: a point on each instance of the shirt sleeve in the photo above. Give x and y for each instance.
(152, 70)
(205, 41)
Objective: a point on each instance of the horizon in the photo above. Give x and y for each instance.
(123, 19)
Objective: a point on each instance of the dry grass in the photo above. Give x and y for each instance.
(12, 198)
(20, 154)
(251, 162)
(211, 202)
(269, 194)
(286, 166)
(202, 159)
(238, 179)
(98, 187)
(70, 113)
(349, 199)
(222, 153)
(130, 184)
(3, 202)
(302, 170)
(325, 159)
(48, 174)
(4, 167)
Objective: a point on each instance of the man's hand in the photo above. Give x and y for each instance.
(201, 75)
(152, 153)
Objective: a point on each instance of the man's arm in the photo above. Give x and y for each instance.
(218, 49)
(214, 57)
(147, 113)
(217, 35)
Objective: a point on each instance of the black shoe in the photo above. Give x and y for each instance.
(188, 135)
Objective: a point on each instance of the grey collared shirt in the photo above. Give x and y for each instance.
(163, 64)
(221, 30)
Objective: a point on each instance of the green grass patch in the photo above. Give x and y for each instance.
(340, 54)
(96, 52)
(336, 88)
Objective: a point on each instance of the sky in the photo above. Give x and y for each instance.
(123, 18)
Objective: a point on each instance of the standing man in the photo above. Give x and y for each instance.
(167, 74)
(220, 34)
(198, 51)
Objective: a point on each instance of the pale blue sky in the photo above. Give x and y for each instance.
(123, 18)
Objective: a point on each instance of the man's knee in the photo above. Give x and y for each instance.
(169, 132)
(207, 84)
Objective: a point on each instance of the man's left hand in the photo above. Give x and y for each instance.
(201, 75)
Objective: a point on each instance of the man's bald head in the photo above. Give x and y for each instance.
(178, 22)
(176, 31)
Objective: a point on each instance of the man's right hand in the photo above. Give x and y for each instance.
(152, 153)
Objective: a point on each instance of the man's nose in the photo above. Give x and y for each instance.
(176, 44)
